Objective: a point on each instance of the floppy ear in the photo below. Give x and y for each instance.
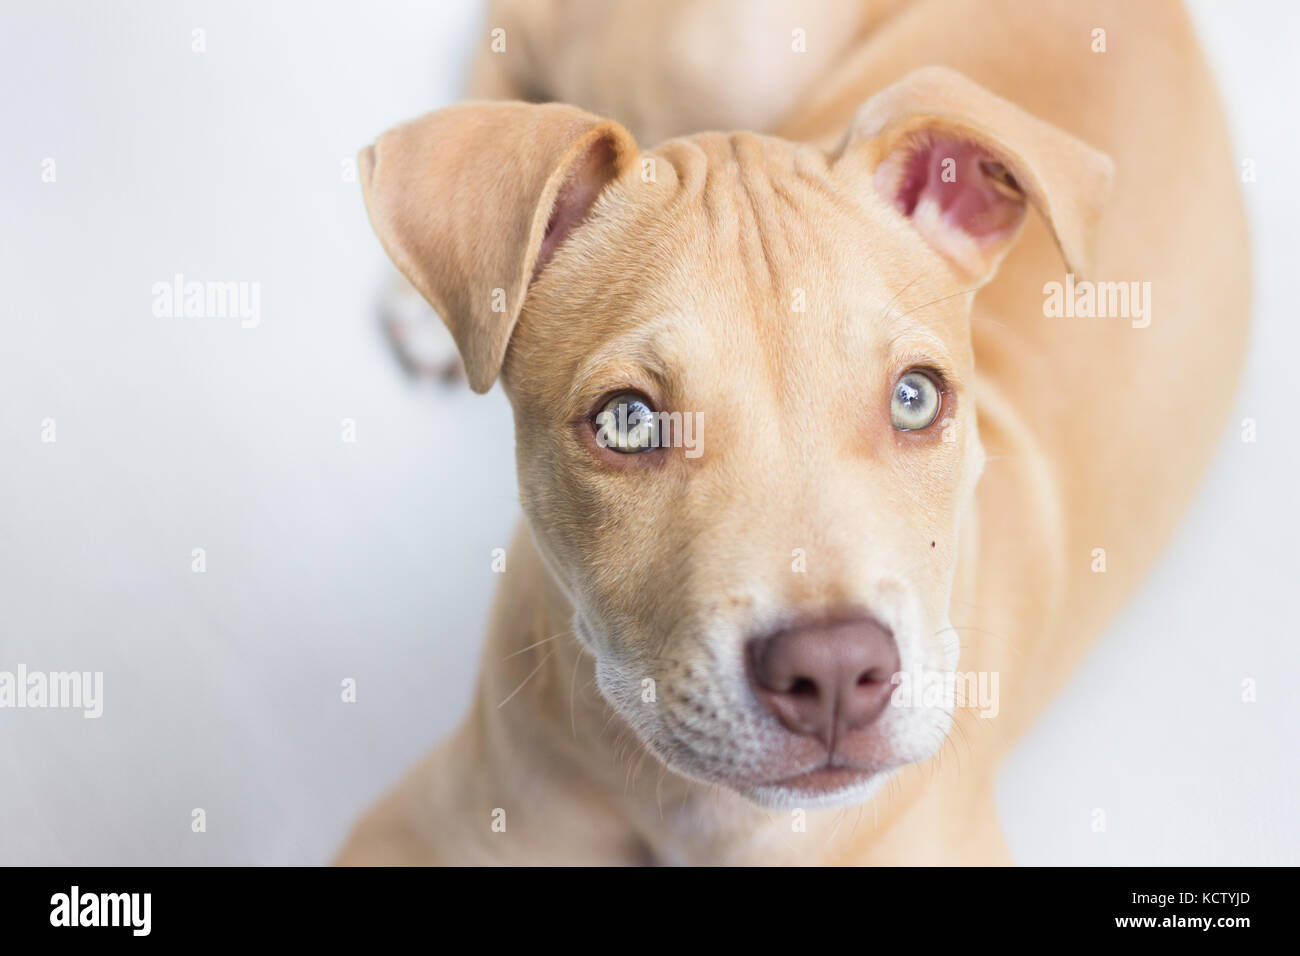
(472, 201)
(962, 164)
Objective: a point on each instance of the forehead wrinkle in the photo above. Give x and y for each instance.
(760, 242)
(753, 198)
(776, 200)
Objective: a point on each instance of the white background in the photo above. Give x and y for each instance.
(370, 560)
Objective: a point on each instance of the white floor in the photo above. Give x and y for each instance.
(369, 560)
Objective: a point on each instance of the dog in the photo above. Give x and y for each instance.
(917, 477)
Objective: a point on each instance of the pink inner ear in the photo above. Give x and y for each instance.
(960, 196)
(582, 185)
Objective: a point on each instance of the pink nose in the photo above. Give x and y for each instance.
(825, 680)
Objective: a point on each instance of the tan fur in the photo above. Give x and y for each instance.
(1081, 433)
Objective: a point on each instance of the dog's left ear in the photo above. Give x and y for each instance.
(962, 165)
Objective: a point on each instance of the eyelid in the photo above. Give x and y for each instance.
(941, 378)
(611, 394)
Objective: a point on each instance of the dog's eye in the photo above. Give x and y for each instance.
(915, 402)
(627, 424)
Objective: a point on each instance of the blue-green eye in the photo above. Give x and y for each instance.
(915, 402)
(627, 424)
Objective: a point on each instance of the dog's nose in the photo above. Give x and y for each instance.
(825, 680)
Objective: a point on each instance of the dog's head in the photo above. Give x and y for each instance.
(741, 375)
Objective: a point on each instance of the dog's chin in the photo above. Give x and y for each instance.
(815, 786)
(828, 788)
(768, 771)
(818, 788)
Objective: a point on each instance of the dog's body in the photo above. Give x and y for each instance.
(1094, 430)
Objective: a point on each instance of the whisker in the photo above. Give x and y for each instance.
(942, 298)
(839, 818)
(524, 650)
(573, 687)
(530, 676)
(894, 298)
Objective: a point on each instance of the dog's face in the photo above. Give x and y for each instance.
(772, 322)
(746, 435)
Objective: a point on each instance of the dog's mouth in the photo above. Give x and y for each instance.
(826, 785)
(823, 780)
(792, 772)
(814, 723)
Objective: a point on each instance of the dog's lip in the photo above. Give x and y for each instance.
(825, 778)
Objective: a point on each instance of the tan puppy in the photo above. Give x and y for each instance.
(917, 446)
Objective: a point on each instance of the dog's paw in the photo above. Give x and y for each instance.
(420, 341)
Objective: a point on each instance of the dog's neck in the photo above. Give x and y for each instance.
(554, 737)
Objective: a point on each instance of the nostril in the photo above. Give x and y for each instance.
(803, 687)
(876, 675)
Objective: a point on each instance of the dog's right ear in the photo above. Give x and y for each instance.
(471, 201)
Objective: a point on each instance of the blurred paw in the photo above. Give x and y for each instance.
(420, 341)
